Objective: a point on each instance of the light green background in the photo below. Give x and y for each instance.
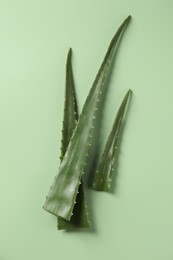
(136, 221)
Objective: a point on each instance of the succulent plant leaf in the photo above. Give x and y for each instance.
(62, 195)
(103, 177)
(80, 218)
(70, 106)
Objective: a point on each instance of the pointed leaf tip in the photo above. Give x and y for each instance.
(69, 54)
(129, 93)
(129, 17)
(70, 50)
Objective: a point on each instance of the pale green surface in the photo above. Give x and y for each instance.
(134, 223)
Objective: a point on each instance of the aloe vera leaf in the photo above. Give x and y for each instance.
(62, 195)
(103, 177)
(70, 107)
(80, 217)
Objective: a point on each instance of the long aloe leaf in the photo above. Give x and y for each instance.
(80, 217)
(103, 177)
(62, 195)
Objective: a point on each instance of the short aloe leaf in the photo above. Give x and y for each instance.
(103, 177)
(80, 217)
(67, 182)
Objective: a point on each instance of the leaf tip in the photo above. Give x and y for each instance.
(69, 52)
(128, 19)
(130, 92)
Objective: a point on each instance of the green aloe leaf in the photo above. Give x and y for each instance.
(70, 107)
(103, 177)
(62, 195)
(80, 217)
